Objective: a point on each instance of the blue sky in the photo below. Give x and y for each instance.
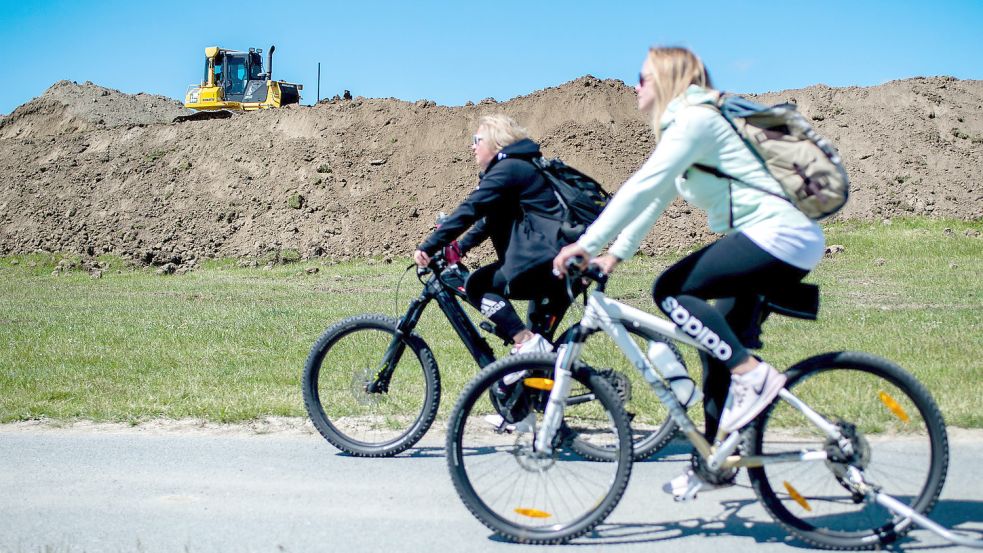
(452, 52)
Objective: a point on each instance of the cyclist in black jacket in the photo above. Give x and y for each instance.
(515, 207)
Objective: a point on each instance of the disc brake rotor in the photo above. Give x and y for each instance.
(360, 382)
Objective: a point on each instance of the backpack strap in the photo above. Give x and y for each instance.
(717, 106)
(537, 161)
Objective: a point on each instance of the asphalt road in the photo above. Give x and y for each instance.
(124, 490)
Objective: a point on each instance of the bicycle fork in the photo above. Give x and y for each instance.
(562, 382)
(397, 346)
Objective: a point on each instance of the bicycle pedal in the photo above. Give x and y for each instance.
(690, 493)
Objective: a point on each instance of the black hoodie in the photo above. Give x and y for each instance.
(514, 206)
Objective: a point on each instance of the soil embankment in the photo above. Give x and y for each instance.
(91, 170)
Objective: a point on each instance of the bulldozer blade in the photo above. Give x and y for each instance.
(204, 116)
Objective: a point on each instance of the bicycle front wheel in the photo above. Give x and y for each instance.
(337, 380)
(899, 445)
(519, 493)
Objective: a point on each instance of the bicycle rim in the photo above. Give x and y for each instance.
(898, 431)
(509, 488)
(343, 363)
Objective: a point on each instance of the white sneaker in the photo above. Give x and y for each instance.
(497, 421)
(527, 424)
(536, 344)
(684, 486)
(750, 393)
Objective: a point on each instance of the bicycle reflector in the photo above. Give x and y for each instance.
(539, 383)
(893, 406)
(797, 496)
(532, 513)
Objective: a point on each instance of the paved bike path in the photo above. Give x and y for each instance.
(123, 490)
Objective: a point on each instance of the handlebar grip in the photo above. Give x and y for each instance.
(575, 261)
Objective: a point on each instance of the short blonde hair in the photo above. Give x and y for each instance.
(501, 130)
(673, 70)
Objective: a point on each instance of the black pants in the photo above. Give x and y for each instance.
(735, 271)
(489, 291)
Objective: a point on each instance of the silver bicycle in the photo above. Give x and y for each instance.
(822, 458)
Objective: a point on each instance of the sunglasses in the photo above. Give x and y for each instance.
(641, 79)
(476, 139)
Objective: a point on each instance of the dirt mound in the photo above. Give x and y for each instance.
(365, 177)
(69, 107)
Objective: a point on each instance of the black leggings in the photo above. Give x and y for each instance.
(735, 271)
(489, 291)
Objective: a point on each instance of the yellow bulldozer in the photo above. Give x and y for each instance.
(236, 81)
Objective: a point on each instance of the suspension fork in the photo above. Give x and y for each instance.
(562, 382)
(397, 346)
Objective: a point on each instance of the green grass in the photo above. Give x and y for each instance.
(225, 343)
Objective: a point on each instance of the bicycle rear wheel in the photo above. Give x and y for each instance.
(341, 365)
(898, 434)
(517, 493)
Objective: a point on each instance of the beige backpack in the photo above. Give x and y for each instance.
(807, 166)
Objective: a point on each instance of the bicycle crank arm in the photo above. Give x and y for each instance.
(577, 400)
(901, 509)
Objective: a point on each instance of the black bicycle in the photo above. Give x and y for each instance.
(372, 387)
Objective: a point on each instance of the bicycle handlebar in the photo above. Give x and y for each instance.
(437, 265)
(591, 272)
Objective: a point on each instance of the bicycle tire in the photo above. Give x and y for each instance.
(652, 428)
(357, 422)
(878, 397)
(523, 513)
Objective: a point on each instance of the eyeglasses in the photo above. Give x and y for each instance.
(641, 80)
(476, 139)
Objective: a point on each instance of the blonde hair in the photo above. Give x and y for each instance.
(501, 130)
(673, 70)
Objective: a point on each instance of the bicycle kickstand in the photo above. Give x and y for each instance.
(899, 508)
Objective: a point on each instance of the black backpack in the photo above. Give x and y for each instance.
(581, 197)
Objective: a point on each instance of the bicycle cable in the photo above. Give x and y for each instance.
(398, 283)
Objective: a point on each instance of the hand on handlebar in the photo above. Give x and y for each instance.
(421, 258)
(567, 256)
(606, 263)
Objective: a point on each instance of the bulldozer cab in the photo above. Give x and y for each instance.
(239, 74)
(237, 81)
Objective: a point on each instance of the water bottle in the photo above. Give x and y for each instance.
(452, 251)
(664, 360)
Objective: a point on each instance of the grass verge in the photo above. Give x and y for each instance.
(225, 343)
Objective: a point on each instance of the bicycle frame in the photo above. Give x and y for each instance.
(433, 289)
(612, 317)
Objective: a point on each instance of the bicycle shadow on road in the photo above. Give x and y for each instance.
(955, 515)
(675, 451)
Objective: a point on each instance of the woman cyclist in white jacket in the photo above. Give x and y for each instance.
(768, 243)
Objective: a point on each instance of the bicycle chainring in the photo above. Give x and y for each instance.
(719, 477)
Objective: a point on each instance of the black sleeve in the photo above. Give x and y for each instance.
(491, 193)
(478, 234)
